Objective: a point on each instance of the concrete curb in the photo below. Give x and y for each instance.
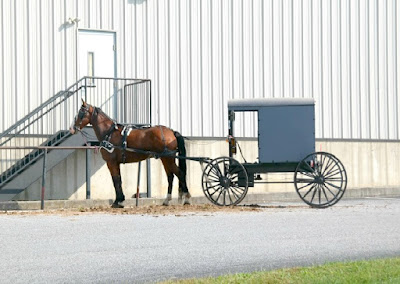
(250, 199)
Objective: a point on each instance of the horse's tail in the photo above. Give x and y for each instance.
(181, 152)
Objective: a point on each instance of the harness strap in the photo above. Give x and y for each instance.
(110, 131)
(125, 133)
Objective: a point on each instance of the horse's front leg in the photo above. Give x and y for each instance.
(116, 178)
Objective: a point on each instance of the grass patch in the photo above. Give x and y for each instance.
(371, 271)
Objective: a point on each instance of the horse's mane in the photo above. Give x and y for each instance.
(100, 111)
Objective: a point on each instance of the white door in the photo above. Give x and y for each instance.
(96, 54)
(97, 58)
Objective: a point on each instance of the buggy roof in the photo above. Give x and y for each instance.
(255, 104)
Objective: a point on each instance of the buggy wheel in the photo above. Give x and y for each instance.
(225, 181)
(320, 179)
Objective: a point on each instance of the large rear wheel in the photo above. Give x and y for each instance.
(320, 179)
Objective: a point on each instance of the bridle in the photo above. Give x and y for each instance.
(81, 114)
(83, 111)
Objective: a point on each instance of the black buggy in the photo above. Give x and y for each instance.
(286, 143)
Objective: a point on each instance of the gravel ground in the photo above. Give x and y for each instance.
(150, 244)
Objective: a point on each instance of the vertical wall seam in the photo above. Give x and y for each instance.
(282, 54)
(222, 68)
(359, 73)
(28, 63)
(387, 72)
(169, 60)
(350, 108)
(3, 113)
(241, 72)
(158, 61)
(302, 47)
(147, 39)
(262, 51)
(211, 70)
(272, 50)
(331, 69)
(340, 108)
(292, 48)
(252, 64)
(135, 41)
(369, 131)
(190, 67)
(15, 66)
(397, 129)
(232, 56)
(322, 121)
(312, 50)
(65, 63)
(201, 70)
(180, 122)
(377, 91)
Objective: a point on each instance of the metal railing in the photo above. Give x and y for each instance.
(124, 100)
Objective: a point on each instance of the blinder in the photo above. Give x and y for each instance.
(81, 114)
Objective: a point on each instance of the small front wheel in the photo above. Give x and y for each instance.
(320, 179)
(225, 181)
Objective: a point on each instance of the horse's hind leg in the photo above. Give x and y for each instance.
(183, 189)
(116, 177)
(172, 169)
(168, 199)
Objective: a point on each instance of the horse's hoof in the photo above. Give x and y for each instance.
(116, 205)
(187, 203)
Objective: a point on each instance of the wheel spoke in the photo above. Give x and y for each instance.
(214, 186)
(315, 191)
(311, 169)
(331, 164)
(216, 170)
(235, 194)
(330, 190)
(216, 190)
(304, 196)
(237, 187)
(212, 180)
(308, 184)
(230, 198)
(333, 173)
(335, 186)
(326, 197)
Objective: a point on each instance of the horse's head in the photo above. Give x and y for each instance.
(82, 118)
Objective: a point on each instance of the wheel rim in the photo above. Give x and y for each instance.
(225, 181)
(320, 179)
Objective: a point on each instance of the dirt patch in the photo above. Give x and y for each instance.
(155, 210)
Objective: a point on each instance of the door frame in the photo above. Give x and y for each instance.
(100, 32)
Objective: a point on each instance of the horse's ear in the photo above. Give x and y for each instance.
(83, 103)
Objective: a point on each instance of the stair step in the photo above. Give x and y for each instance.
(7, 194)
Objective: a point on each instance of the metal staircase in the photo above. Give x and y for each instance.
(48, 125)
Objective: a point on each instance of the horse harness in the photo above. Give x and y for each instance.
(126, 130)
(109, 147)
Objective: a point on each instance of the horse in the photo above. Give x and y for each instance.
(135, 145)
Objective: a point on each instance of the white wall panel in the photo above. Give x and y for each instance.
(199, 54)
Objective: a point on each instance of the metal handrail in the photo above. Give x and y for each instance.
(50, 121)
(38, 109)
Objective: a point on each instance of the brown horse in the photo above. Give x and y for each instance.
(134, 145)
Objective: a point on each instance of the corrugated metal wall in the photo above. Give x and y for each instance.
(199, 54)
